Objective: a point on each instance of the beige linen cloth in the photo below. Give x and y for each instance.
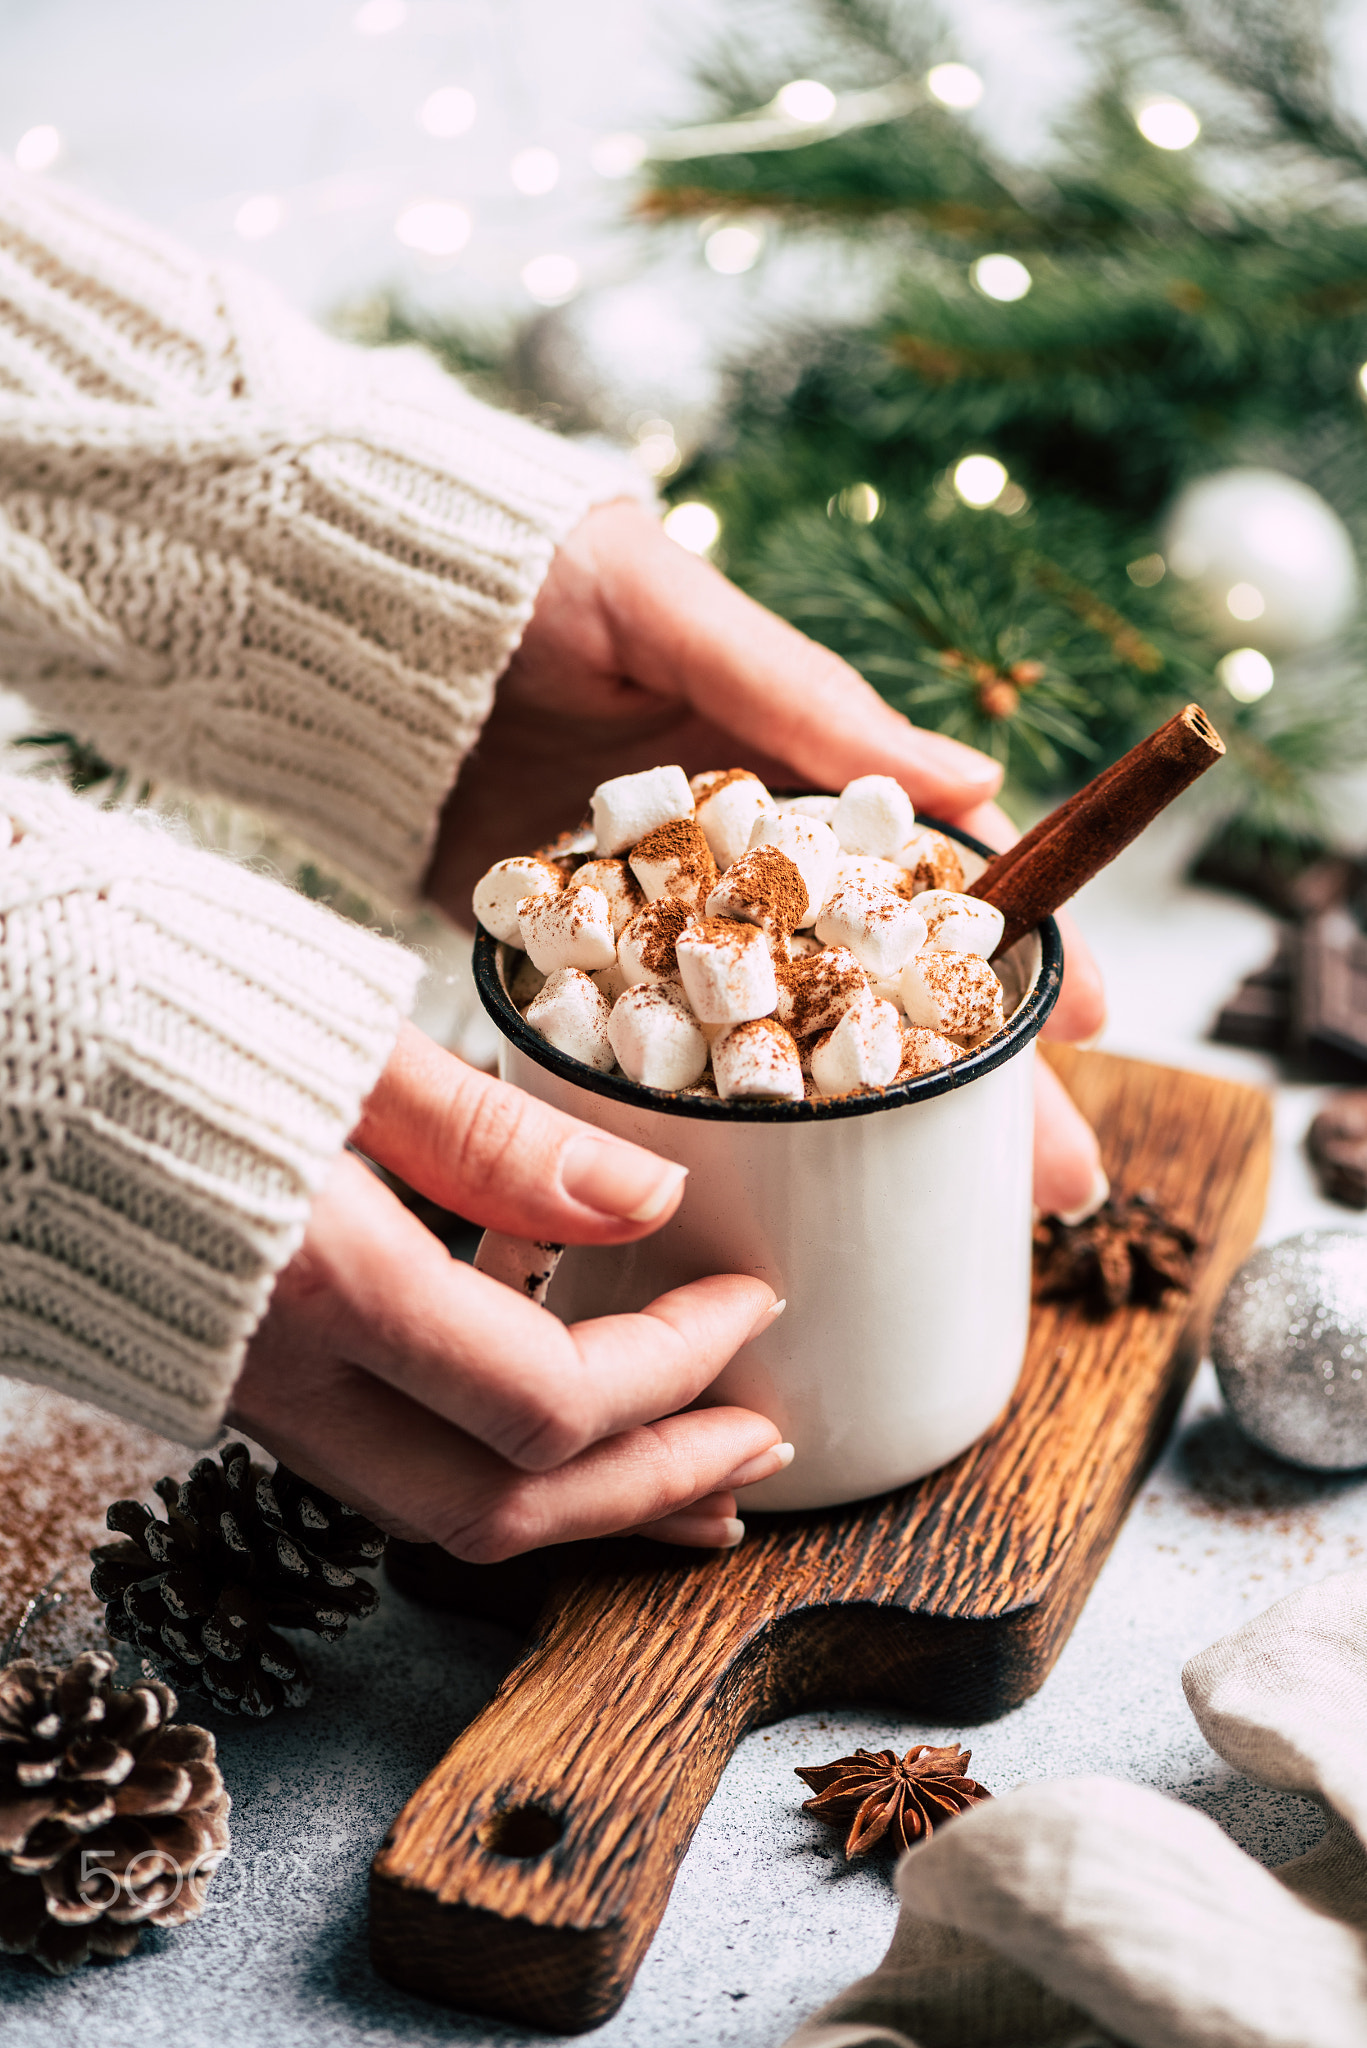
(1085, 1911)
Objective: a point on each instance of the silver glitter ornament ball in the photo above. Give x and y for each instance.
(1290, 1349)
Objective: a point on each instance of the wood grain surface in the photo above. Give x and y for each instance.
(527, 1875)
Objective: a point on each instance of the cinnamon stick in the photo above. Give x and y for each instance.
(1053, 860)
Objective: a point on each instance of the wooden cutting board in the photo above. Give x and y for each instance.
(527, 1875)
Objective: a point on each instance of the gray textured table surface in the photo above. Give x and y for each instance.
(766, 1921)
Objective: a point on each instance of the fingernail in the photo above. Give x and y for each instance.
(770, 1316)
(776, 1459)
(698, 1532)
(1101, 1188)
(619, 1180)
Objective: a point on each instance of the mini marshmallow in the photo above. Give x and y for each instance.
(727, 809)
(866, 867)
(822, 807)
(656, 1038)
(801, 944)
(645, 951)
(610, 982)
(524, 981)
(814, 994)
(956, 923)
(573, 929)
(728, 971)
(880, 928)
(567, 848)
(924, 1052)
(629, 806)
(618, 884)
(874, 815)
(675, 860)
(809, 844)
(762, 887)
(507, 884)
(757, 1059)
(571, 1015)
(931, 860)
(953, 993)
(863, 1051)
(889, 991)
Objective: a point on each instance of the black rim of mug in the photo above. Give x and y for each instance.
(1023, 1026)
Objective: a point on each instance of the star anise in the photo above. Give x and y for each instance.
(884, 1797)
(1129, 1251)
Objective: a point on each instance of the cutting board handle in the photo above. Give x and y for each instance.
(528, 1873)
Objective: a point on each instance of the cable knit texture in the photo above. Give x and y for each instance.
(247, 560)
(187, 1045)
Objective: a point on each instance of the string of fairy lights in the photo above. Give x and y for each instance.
(435, 227)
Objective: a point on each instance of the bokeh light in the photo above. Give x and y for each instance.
(1245, 601)
(955, 85)
(448, 111)
(551, 280)
(1167, 123)
(434, 227)
(733, 249)
(534, 171)
(1246, 674)
(806, 100)
(657, 451)
(617, 156)
(694, 526)
(380, 17)
(980, 479)
(38, 148)
(1001, 277)
(859, 502)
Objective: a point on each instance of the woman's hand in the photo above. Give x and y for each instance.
(452, 1410)
(638, 653)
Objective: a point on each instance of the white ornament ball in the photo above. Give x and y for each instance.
(1289, 1344)
(1272, 562)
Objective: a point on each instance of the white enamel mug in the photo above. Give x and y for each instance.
(896, 1225)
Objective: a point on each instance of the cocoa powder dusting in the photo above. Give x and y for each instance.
(60, 1466)
(770, 1025)
(656, 930)
(568, 850)
(770, 887)
(724, 931)
(682, 842)
(924, 1052)
(719, 778)
(938, 866)
(815, 992)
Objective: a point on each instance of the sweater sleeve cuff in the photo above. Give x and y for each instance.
(189, 1045)
(249, 561)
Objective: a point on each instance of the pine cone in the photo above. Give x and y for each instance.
(242, 1553)
(109, 1816)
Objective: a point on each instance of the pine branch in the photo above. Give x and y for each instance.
(1273, 53)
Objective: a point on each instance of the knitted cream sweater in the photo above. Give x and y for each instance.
(250, 562)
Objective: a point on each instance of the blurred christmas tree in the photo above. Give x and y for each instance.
(986, 490)
(1096, 428)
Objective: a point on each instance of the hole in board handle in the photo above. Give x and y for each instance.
(522, 1831)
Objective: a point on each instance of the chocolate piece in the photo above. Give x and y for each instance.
(1258, 1014)
(1329, 1009)
(1337, 1144)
